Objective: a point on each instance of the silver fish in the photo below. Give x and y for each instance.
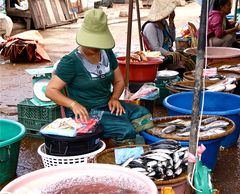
(178, 171)
(127, 161)
(185, 134)
(152, 163)
(184, 129)
(158, 158)
(151, 174)
(208, 120)
(176, 165)
(169, 129)
(169, 172)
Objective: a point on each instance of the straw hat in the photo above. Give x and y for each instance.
(161, 9)
(94, 31)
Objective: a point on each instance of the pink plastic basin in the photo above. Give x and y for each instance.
(49, 180)
(217, 52)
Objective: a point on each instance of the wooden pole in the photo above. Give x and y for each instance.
(129, 36)
(200, 62)
(139, 25)
(235, 11)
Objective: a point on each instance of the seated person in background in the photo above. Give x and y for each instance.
(221, 32)
(160, 35)
(88, 73)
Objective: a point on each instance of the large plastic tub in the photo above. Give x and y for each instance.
(11, 133)
(140, 71)
(83, 177)
(209, 157)
(216, 103)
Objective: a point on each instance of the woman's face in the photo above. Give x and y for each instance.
(226, 9)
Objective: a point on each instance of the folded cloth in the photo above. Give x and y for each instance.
(123, 154)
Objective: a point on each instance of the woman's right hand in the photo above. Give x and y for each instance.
(80, 112)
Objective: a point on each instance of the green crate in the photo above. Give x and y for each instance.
(34, 117)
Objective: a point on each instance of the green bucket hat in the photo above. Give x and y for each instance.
(94, 31)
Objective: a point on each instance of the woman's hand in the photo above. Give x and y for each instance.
(80, 112)
(115, 106)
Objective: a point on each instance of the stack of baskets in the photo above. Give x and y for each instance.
(60, 150)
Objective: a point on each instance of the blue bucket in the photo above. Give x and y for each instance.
(216, 103)
(209, 157)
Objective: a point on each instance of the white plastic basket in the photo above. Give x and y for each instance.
(49, 160)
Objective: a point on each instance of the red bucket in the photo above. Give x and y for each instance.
(140, 71)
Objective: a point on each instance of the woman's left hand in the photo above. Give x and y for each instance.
(115, 106)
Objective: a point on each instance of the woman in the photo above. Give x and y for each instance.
(161, 34)
(221, 32)
(88, 73)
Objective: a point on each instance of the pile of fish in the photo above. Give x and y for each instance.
(226, 85)
(230, 67)
(165, 159)
(209, 126)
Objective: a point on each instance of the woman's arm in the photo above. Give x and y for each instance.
(153, 37)
(118, 87)
(54, 88)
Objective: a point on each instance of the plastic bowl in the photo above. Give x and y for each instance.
(50, 180)
(140, 71)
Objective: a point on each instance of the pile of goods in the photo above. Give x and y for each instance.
(181, 127)
(235, 67)
(226, 85)
(138, 56)
(164, 160)
(70, 137)
(69, 127)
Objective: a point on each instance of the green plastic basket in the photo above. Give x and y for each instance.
(11, 134)
(34, 117)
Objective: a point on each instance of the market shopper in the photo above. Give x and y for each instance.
(221, 31)
(87, 73)
(160, 33)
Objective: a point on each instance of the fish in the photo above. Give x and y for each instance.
(152, 163)
(208, 120)
(169, 129)
(127, 161)
(165, 146)
(175, 121)
(178, 164)
(139, 169)
(158, 158)
(215, 124)
(178, 171)
(186, 129)
(185, 134)
(162, 151)
(135, 164)
(166, 141)
(169, 172)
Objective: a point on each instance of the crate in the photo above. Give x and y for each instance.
(34, 117)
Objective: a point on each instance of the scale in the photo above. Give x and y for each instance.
(40, 80)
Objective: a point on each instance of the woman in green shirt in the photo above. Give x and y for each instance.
(93, 80)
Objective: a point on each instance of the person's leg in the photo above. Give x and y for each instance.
(122, 130)
(225, 41)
